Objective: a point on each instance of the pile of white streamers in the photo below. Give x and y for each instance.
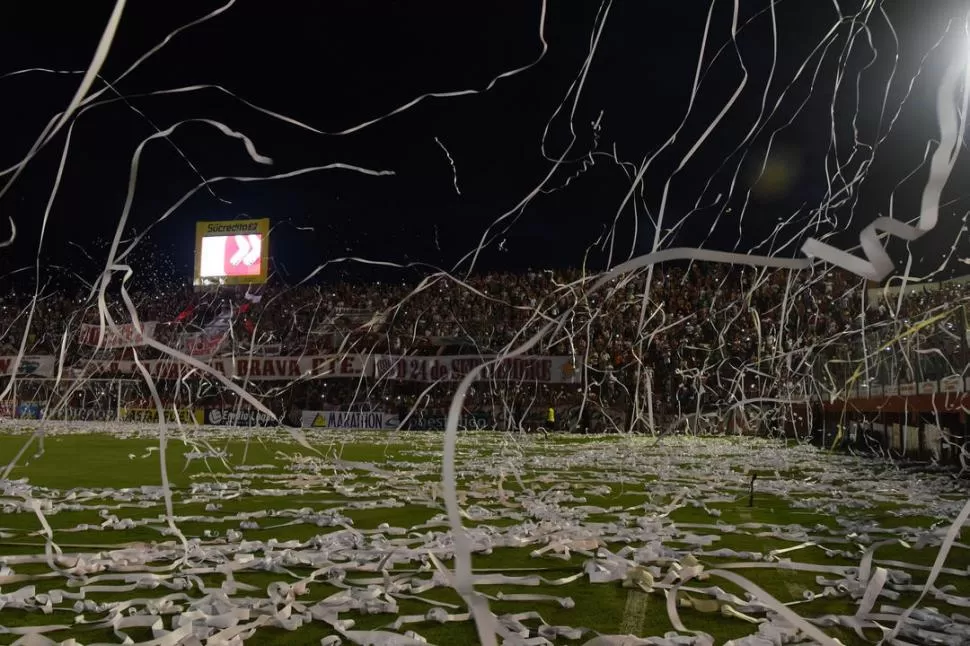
(538, 489)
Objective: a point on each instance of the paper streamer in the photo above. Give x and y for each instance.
(878, 264)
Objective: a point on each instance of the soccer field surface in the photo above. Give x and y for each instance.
(572, 537)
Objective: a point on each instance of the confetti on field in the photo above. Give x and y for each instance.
(572, 539)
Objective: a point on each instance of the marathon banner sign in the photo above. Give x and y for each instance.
(31, 365)
(236, 417)
(547, 370)
(467, 422)
(123, 336)
(351, 420)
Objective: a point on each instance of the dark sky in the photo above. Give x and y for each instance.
(336, 64)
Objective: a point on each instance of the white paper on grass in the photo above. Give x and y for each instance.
(663, 564)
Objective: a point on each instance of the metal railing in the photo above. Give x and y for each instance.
(927, 349)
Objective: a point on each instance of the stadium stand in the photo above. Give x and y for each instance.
(708, 335)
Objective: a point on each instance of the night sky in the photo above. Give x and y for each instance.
(334, 65)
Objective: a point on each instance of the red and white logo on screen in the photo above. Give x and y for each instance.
(231, 256)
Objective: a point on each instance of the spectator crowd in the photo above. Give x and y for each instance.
(701, 330)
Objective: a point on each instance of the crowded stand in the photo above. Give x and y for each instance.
(702, 336)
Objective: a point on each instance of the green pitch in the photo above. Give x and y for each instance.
(575, 500)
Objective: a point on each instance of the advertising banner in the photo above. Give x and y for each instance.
(185, 415)
(357, 420)
(550, 370)
(951, 384)
(29, 410)
(236, 417)
(467, 422)
(73, 414)
(123, 336)
(31, 365)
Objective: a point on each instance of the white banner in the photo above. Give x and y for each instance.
(124, 336)
(546, 370)
(550, 370)
(952, 384)
(359, 420)
(31, 365)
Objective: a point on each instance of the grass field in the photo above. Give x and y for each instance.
(286, 543)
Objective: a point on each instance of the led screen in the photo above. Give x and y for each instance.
(231, 252)
(239, 255)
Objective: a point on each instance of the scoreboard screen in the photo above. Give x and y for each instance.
(234, 252)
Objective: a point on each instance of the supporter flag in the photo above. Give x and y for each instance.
(208, 341)
(247, 322)
(200, 345)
